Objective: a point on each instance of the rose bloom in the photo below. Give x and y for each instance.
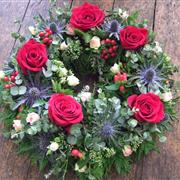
(149, 106)
(32, 117)
(53, 146)
(133, 38)
(72, 80)
(64, 110)
(95, 42)
(18, 126)
(127, 151)
(32, 56)
(86, 17)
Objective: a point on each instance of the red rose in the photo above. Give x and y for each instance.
(132, 37)
(148, 107)
(86, 17)
(64, 110)
(32, 56)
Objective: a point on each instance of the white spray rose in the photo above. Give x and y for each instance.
(53, 146)
(85, 96)
(32, 30)
(72, 80)
(127, 151)
(2, 74)
(63, 46)
(95, 42)
(32, 117)
(115, 68)
(167, 96)
(17, 125)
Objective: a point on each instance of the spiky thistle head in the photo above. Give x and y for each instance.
(113, 28)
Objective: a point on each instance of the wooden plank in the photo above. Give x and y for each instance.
(104, 4)
(166, 165)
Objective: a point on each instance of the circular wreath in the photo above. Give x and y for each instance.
(86, 91)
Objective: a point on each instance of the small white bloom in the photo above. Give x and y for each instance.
(32, 30)
(167, 96)
(2, 74)
(53, 146)
(125, 15)
(18, 126)
(157, 48)
(120, 12)
(99, 90)
(85, 96)
(95, 42)
(115, 68)
(63, 46)
(81, 170)
(63, 71)
(32, 117)
(72, 80)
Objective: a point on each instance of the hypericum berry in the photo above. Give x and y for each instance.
(75, 152)
(121, 88)
(113, 42)
(7, 86)
(45, 40)
(107, 41)
(46, 35)
(114, 48)
(106, 57)
(116, 78)
(6, 78)
(41, 34)
(12, 85)
(15, 73)
(113, 55)
(123, 77)
(47, 29)
(50, 41)
(13, 78)
(110, 50)
(50, 32)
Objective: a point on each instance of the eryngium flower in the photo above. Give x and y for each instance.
(57, 28)
(113, 28)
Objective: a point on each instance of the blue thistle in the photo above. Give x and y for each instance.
(107, 130)
(113, 28)
(35, 91)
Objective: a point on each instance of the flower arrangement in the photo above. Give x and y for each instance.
(87, 90)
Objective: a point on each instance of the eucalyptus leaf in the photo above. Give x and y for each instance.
(72, 139)
(14, 91)
(22, 90)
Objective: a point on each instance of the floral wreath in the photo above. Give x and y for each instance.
(88, 90)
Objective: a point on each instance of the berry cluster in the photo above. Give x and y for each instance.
(77, 153)
(45, 36)
(121, 78)
(10, 80)
(110, 48)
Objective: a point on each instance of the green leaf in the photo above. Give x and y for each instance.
(72, 139)
(22, 90)
(14, 91)
(113, 87)
(18, 81)
(76, 130)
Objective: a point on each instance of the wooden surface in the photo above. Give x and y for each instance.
(163, 17)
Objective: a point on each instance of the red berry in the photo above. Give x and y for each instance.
(6, 78)
(47, 29)
(45, 40)
(113, 42)
(12, 78)
(102, 56)
(121, 88)
(50, 41)
(110, 50)
(75, 152)
(15, 73)
(49, 32)
(116, 78)
(7, 86)
(107, 41)
(80, 155)
(41, 34)
(114, 48)
(106, 57)
(113, 55)
(104, 51)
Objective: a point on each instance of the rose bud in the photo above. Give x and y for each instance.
(18, 126)
(127, 151)
(70, 30)
(32, 117)
(115, 68)
(167, 96)
(72, 80)
(95, 42)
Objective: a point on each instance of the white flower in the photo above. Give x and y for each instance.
(81, 170)
(63, 71)
(95, 42)
(85, 96)
(120, 12)
(127, 151)
(72, 80)
(167, 96)
(53, 146)
(32, 117)
(125, 15)
(18, 126)
(2, 74)
(115, 68)
(157, 48)
(33, 30)
(63, 46)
